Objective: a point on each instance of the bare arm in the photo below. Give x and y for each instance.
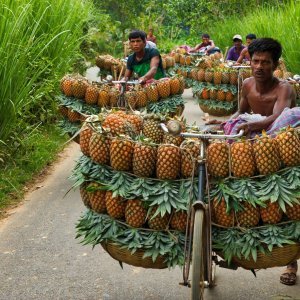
(285, 98)
(195, 48)
(153, 69)
(128, 74)
(242, 56)
(212, 46)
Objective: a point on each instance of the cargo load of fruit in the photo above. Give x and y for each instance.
(138, 184)
(81, 98)
(255, 199)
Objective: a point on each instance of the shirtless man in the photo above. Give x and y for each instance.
(245, 56)
(263, 93)
(272, 99)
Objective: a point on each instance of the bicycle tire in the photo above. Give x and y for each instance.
(197, 278)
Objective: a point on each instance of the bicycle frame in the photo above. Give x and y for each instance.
(205, 262)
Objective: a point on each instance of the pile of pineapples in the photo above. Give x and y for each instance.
(256, 191)
(82, 98)
(138, 178)
(109, 65)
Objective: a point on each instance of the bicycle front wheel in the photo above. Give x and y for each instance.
(197, 280)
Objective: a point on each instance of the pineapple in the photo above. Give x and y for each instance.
(84, 139)
(220, 214)
(229, 96)
(190, 153)
(168, 162)
(266, 155)
(278, 73)
(79, 87)
(172, 139)
(103, 97)
(289, 147)
(114, 124)
(73, 116)
(221, 96)
(204, 94)
(85, 195)
(135, 213)
(158, 222)
(144, 159)
(136, 121)
(249, 216)
(121, 153)
(272, 213)
(225, 77)
(209, 75)
(91, 94)
(233, 77)
(201, 75)
(115, 206)
(194, 73)
(217, 157)
(141, 97)
(163, 87)
(66, 85)
(179, 220)
(213, 93)
(293, 212)
(152, 129)
(114, 95)
(63, 110)
(242, 159)
(99, 148)
(217, 76)
(130, 98)
(152, 92)
(182, 84)
(174, 86)
(97, 197)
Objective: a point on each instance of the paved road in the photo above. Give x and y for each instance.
(40, 258)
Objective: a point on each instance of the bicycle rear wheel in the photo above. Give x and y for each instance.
(197, 279)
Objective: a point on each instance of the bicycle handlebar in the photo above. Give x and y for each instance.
(125, 82)
(204, 135)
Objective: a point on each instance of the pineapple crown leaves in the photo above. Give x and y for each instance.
(142, 187)
(224, 191)
(292, 176)
(245, 190)
(69, 127)
(96, 186)
(118, 184)
(215, 104)
(275, 236)
(275, 188)
(240, 242)
(143, 140)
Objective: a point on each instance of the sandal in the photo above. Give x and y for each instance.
(289, 276)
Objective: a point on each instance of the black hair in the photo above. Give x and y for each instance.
(205, 35)
(251, 36)
(266, 45)
(137, 34)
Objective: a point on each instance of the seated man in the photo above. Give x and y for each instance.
(245, 56)
(273, 102)
(146, 62)
(151, 37)
(207, 46)
(235, 51)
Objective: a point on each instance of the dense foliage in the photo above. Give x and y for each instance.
(39, 40)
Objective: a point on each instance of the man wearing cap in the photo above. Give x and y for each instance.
(245, 56)
(235, 51)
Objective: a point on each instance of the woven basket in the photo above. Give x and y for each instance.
(279, 257)
(136, 259)
(218, 112)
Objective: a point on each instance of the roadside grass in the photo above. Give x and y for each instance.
(26, 162)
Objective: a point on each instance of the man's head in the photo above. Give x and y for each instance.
(205, 38)
(266, 45)
(249, 38)
(265, 54)
(237, 41)
(137, 40)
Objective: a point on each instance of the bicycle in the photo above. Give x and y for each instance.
(198, 235)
